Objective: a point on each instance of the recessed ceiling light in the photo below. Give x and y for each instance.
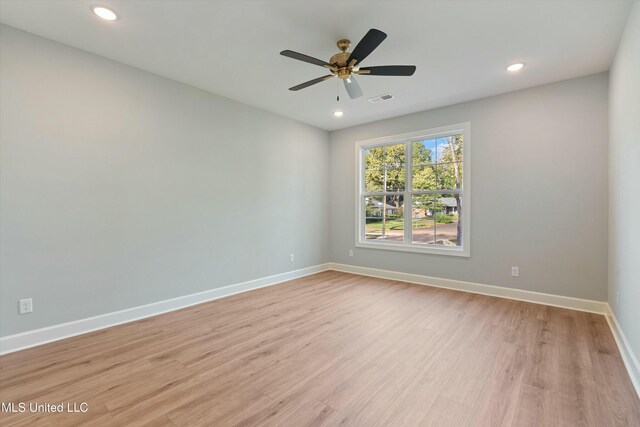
(338, 113)
(104, 13)
(515, 67)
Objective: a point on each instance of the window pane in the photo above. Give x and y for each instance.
(442, 145)
(384, 218)
(373, 158)
(394, 164)
(449, 176)
(395, 179)
(422, 219)
(384, 168)
(423, 152)
(394, 155)
(448, 231)
(373, 216)
(424, 177)
(449, 149)
(373, 180)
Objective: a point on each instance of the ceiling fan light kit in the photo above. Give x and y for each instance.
(345, 65)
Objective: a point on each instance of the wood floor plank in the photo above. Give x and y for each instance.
(412, 405)
(496, 404)
(334, 349)
(446, 413)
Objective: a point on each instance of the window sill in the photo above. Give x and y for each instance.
(446, 251)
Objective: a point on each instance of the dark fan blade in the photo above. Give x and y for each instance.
(311, 82)
(305, 58)
(353, 88)
(368, 44)
(388, 70)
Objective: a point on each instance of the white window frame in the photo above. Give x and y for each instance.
(407, 245)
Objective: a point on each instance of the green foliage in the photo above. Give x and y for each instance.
(424, 172)
(386, 165)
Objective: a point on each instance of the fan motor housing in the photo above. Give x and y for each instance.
(340, 60)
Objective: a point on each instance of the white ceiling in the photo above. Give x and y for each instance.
(231, 48)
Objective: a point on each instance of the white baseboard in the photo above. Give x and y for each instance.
(599, 307)
(41, 336)
(628, 357)
(37, 337)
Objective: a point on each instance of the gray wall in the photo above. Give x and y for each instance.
(624, 182)
(121, 188)
(539, 190)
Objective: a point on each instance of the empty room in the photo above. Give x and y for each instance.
(320, 213)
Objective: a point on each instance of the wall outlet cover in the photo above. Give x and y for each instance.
(25, 306)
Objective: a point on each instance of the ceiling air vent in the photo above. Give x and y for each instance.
(381, 98)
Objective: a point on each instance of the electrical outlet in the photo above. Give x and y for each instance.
(25, 306)
(350, 252)
(291, 257)
(515, 271)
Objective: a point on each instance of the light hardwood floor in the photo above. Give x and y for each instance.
(335, 349)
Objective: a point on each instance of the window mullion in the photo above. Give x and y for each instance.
(383, 193)
(445, 190)
(435, 197)
(384, 188)
(362, 190)
(408, 185)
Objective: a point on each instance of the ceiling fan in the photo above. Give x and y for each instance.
(345, 64)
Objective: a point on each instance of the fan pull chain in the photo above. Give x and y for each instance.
(338, 90)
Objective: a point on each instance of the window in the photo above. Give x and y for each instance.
(413, 191)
